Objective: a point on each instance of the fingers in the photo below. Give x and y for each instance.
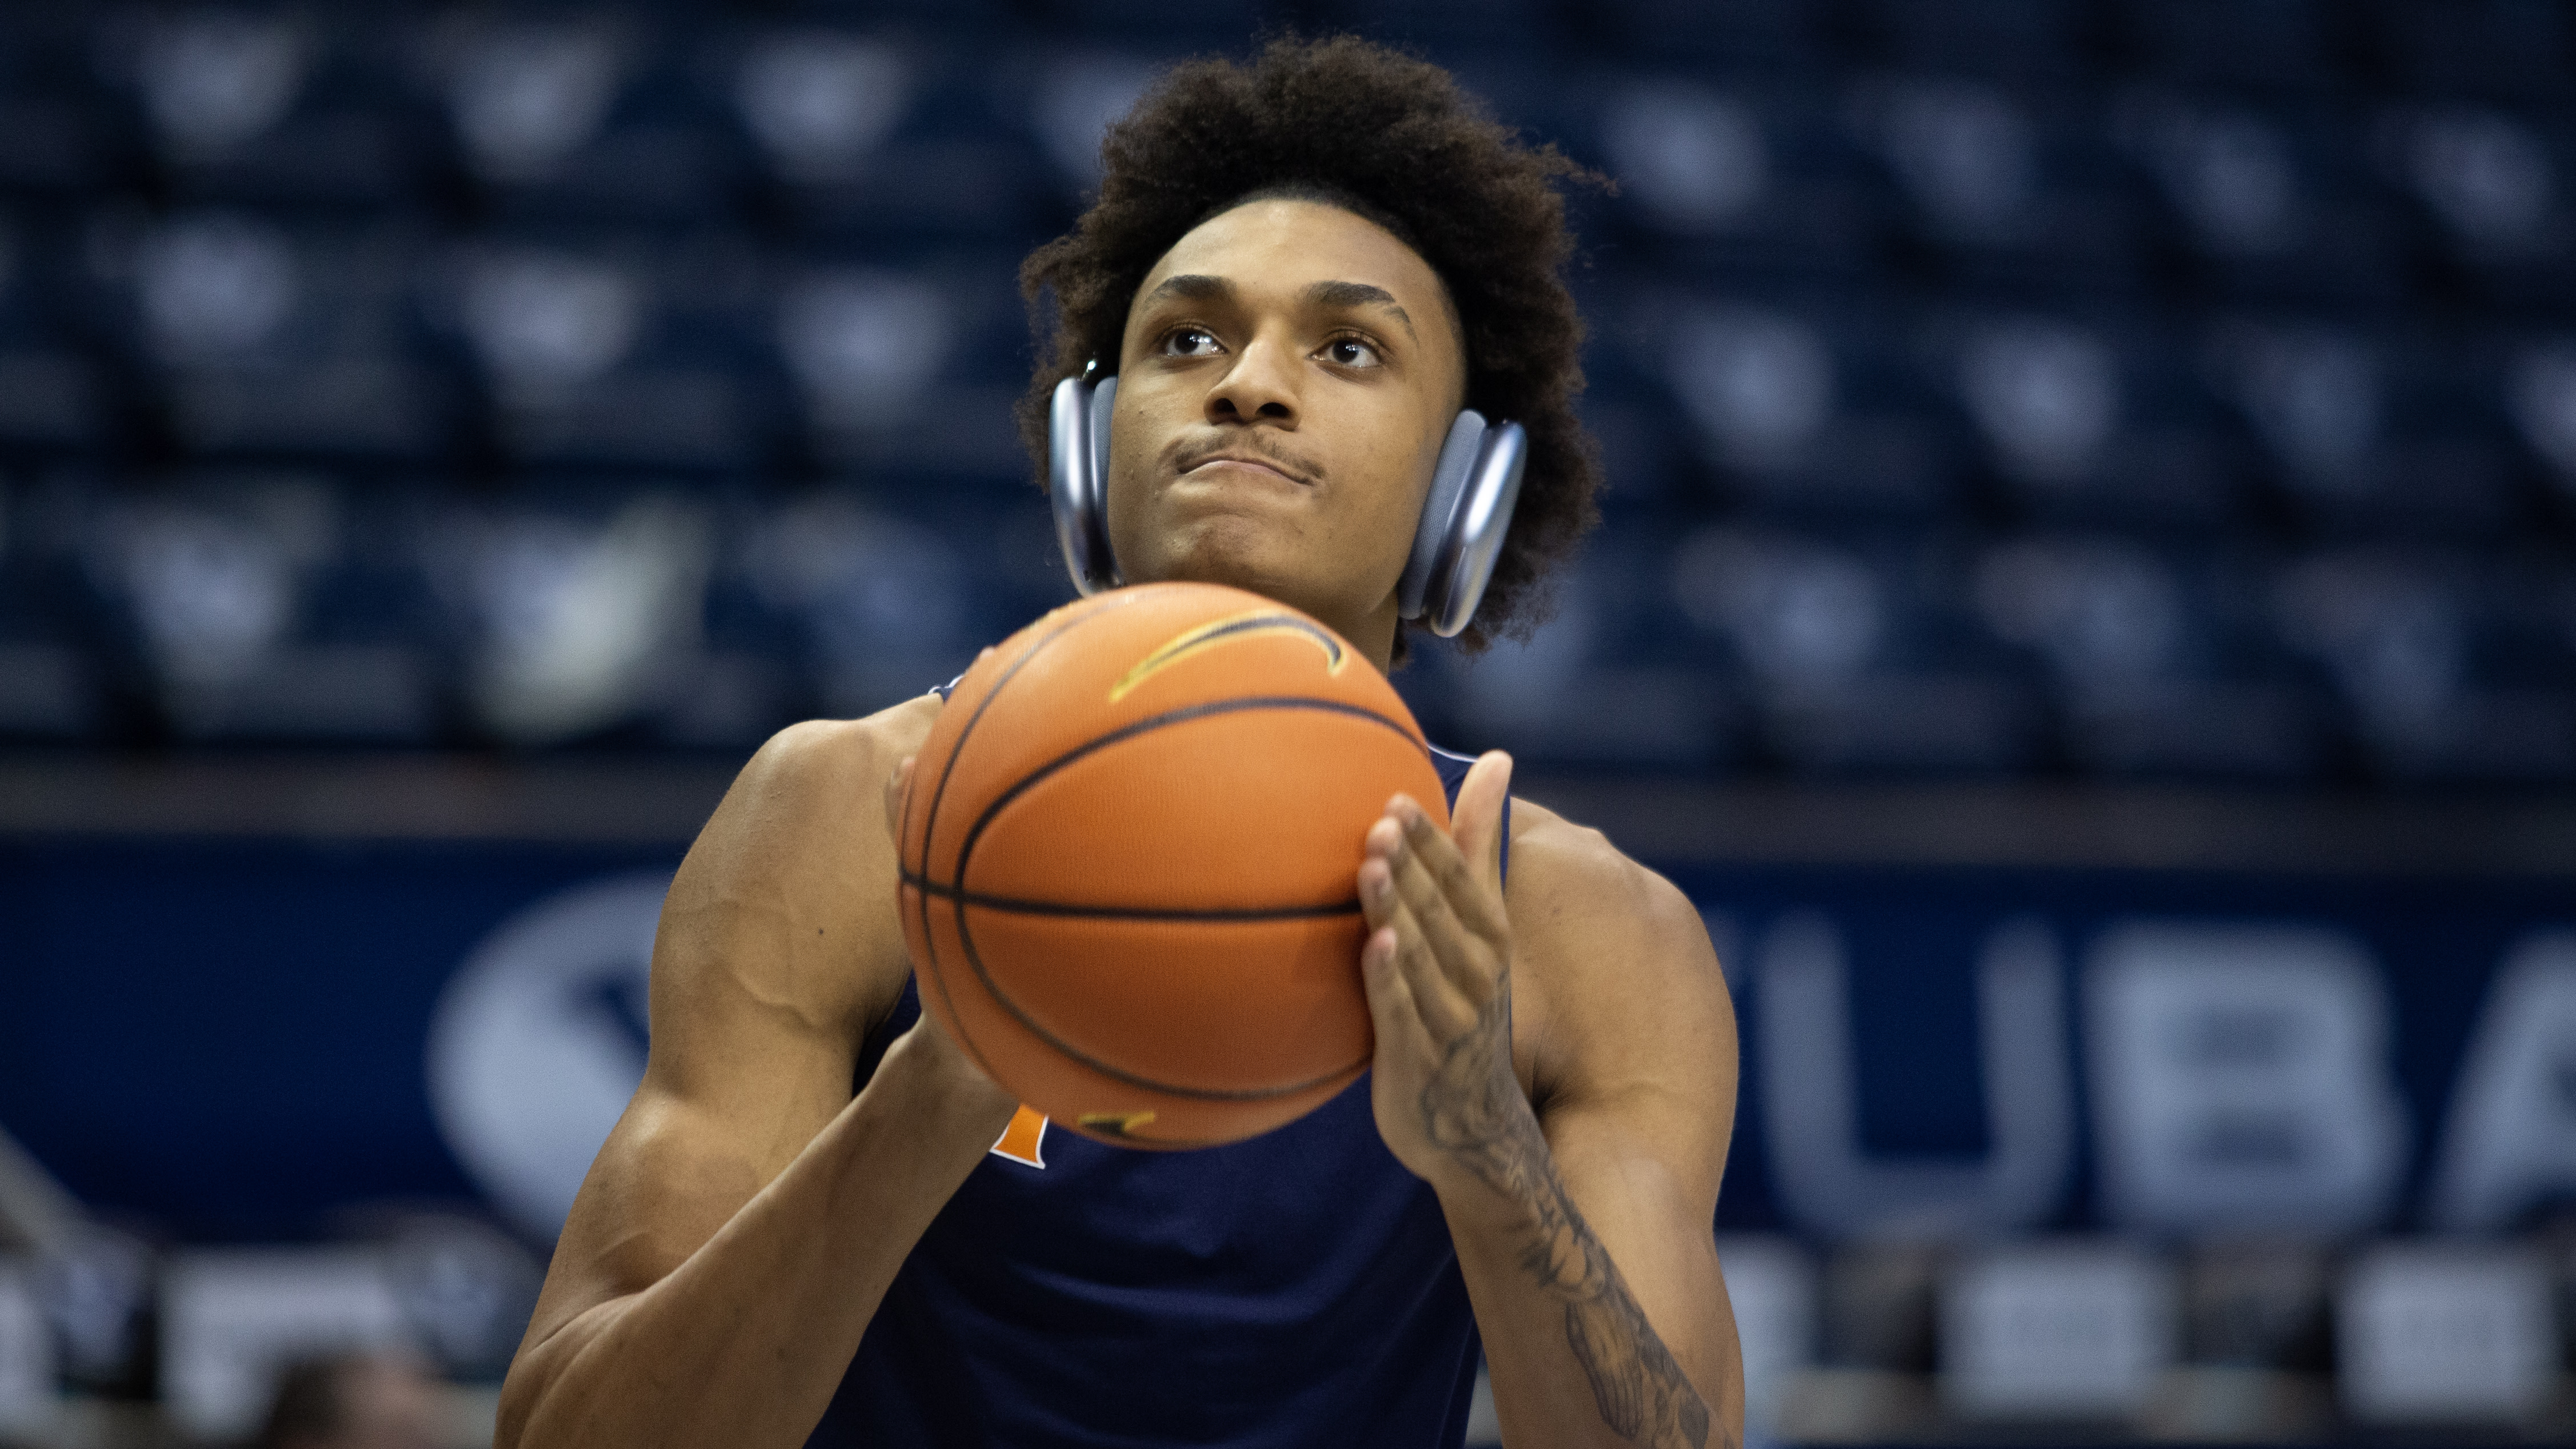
(1392, 1009)
(1401, 890)
(1428, 999)
(1440, 1001)
(1469, 899)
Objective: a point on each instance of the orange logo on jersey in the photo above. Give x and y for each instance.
(1226, 631)
(1025, 1139)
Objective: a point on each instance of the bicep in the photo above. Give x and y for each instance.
(772, 959)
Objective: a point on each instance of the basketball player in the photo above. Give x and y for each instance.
(811, 1226)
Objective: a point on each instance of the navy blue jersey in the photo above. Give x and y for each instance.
(1297, 1289)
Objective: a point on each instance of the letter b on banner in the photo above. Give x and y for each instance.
(2240, 1079)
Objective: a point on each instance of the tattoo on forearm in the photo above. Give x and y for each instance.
(1642, 1393)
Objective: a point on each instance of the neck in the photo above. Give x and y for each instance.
(1370, 630)
(1371, 633)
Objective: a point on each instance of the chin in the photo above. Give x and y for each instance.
(1251, 564)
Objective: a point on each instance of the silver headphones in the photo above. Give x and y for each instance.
(1473, 489)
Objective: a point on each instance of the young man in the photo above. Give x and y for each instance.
(1300, 271)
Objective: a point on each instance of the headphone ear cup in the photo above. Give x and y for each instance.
(1458, 454)
(1464, 563)
(1077, 480)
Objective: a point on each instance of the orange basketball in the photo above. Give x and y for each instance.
(1130, 848)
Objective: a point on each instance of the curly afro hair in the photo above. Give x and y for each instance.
(1395, 140)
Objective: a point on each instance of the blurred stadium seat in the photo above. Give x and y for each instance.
(1753, 173)
(2509, 51)
(52, 393)
(246, 617)
(856, 134)
(2151, 674)
(254, 339)
(293, 110)
(2000, 190)
(2412, 645)
(589, 118)
(601, 352)
(2280, 47)
(1771, 34)
(1805, 405)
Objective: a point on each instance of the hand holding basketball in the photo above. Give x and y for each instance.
(1438, 970)
(949, 1061)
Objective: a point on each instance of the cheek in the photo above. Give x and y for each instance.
(1133, 439)
(1375, 528)
(1405, 480)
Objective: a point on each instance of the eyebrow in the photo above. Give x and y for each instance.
(1196, 287)
(1192, 287)
(1359, 294)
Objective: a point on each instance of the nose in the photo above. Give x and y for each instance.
(1260, 387)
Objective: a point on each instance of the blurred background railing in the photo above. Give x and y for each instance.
(2088, 606)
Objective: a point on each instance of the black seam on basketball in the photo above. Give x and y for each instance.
(1016, 906)
(966, 851)
(1183, 715)
(930, 820)
(948, 767)
(975, 959)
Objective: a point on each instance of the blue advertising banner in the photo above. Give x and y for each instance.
(229, 1040)
(2165, 1052)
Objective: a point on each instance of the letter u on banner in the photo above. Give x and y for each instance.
(1811, 1094)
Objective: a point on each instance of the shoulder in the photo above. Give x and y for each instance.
(1565, 875)
(782, 914)
(821, 752)
(1612, 958)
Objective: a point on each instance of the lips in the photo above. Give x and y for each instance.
(1263, 464)
(1247, 458)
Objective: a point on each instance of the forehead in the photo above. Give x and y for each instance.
(1281, 246)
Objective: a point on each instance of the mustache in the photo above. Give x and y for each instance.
(1188, 455)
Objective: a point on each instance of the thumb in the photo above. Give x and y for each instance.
(1477, 823)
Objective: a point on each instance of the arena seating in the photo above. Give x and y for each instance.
(2267, 301)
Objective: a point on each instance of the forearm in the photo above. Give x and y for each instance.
(744, 1343)
(1574, 1358)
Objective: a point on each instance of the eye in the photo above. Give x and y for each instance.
(1190, 342)
(1351, 352)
